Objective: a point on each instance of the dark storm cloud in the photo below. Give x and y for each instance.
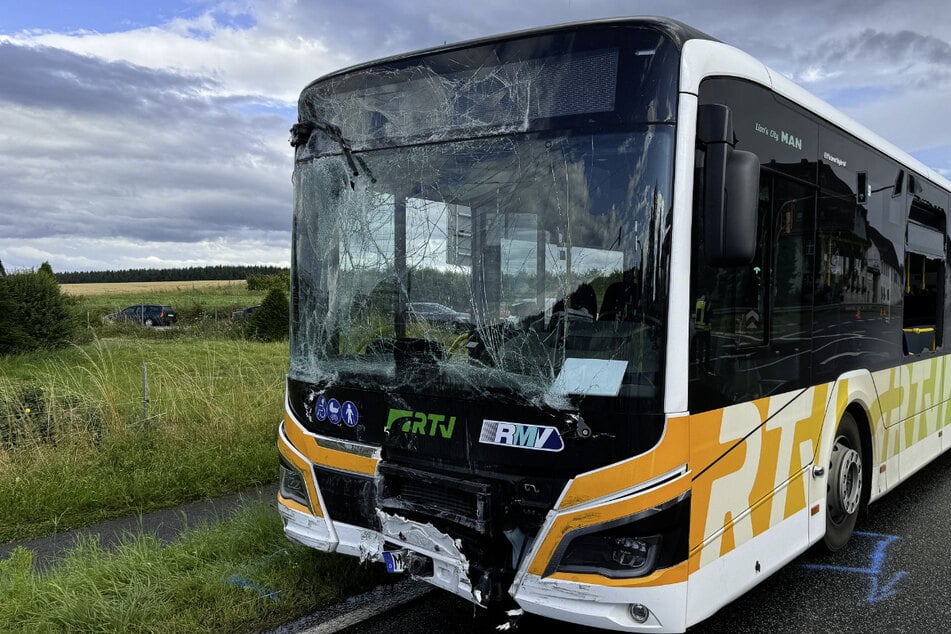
(784, 35)
(868, 54)
(902, 44)
(106, 149)
(95, 150)
(905, 57)
(43, 77)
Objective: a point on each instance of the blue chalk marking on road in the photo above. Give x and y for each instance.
(887, 591)
(264, 593)
(877, 592)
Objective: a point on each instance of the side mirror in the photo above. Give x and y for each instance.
(730, 192)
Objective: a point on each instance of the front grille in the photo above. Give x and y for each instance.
(465, 503)
(347, 497)
(437, 496)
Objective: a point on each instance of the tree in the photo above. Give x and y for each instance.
(39, 312)
(264, 282)
(46, 269)
(3, 272)
(12, 336)
(271, 322)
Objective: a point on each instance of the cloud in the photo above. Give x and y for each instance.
(100, 254)
(267, 55)
(96, 149)
(125, 145)
(870, 57)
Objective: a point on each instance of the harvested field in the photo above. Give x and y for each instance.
(120, 288)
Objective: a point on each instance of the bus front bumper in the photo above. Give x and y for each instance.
(633, 609)
(446, 567)
(604, 606)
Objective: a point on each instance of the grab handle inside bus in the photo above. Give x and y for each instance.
(731, 190)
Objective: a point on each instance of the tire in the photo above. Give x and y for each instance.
(845, 484)
(149, 322)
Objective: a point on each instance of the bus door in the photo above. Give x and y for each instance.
(752, 323)
(922, 330)
(774, 323)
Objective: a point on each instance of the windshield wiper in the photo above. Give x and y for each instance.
(301, 132)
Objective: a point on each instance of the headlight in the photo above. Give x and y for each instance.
(611, 556)
(632, 546)
(293, 486)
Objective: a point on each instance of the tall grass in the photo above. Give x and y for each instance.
(240, 576)
(192, 303)
(77, 445)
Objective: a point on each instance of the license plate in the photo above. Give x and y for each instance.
(395, 561)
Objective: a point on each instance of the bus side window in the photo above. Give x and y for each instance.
(923, 303)
(923, 323)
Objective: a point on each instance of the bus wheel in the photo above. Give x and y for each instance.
(844, 484)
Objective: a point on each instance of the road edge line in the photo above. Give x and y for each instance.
(375, 602)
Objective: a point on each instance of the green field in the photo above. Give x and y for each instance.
(79, 443)
(195, 302)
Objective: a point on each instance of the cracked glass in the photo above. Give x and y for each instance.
(494, 219)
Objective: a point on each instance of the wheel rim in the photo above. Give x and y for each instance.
(845, 481)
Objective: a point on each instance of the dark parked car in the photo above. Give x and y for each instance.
(148, 314)
(437, 314)
(244, 313)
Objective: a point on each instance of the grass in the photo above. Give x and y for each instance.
(76, 446)
(239, 576)
(193, 301)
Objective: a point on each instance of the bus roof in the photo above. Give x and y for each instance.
(708, 53)
(678, 32)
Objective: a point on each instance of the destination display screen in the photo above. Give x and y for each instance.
(577, 79)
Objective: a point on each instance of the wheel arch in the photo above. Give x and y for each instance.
(863, 421)
(853, 392)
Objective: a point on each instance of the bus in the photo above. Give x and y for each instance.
(692, 321)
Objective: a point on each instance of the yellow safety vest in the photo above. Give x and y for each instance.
(701, 314)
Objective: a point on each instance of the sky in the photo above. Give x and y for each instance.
(155, 134)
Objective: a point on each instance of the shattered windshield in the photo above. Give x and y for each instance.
(533, 263)
(493, 217)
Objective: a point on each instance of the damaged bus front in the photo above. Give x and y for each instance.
(480, 274)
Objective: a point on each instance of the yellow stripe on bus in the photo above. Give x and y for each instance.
(587, 517)
(291, 456)
(297, 506)
(324, 456)
(669, 454)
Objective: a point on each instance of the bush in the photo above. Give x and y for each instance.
(36, 314)
(271, 322)
(12, 335)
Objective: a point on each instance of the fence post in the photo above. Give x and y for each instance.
(145, 392)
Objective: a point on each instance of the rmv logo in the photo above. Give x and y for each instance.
(420, 423)
(539, 437)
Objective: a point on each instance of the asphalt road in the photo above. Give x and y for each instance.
(894, 576)
(165, 524)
